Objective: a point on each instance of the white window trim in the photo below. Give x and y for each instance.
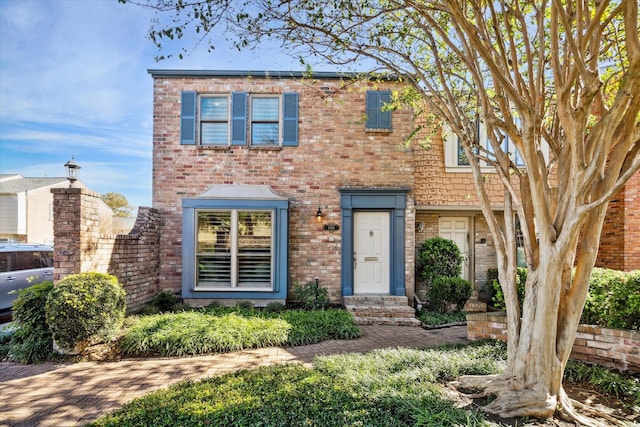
(249, 119)
(450, 141)
(199, 120)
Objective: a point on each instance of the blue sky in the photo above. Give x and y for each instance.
(74, 82)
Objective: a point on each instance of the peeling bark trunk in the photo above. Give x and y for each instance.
(531, 384)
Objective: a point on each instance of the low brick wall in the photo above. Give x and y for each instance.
(81, 247)
(615, 348)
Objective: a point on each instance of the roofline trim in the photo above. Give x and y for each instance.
(325, 75)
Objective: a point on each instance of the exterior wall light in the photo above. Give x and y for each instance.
(319, 215)
(72, 171)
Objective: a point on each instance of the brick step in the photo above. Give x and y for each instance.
(381, 310)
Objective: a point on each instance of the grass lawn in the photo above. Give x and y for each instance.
(392, 387)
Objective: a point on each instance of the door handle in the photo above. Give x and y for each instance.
(355, 260)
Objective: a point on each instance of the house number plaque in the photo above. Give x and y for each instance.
(331, 227)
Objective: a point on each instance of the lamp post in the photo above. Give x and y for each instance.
(72, 171)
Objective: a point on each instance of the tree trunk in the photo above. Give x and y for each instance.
(531, 384)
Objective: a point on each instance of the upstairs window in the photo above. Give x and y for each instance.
(214, 120)
(456, 159)
(265, 121)
(378, 116)
(238, 119)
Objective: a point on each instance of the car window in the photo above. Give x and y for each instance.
(4, 262)
(28, 260)
(47, 259)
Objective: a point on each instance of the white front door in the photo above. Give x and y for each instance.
(371, 253)
(457, 229)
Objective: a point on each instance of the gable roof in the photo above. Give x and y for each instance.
(17, 183)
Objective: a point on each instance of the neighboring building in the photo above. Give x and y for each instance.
(244, 161)
(26, 208)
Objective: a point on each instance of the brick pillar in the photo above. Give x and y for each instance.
(75, 230)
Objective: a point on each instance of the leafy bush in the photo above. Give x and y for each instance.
(85, 307)
(521, 279)
(613, 300)
(439, 257)
(312, 296)
(275, 307)
(434, 319)
(244, 305)
(165, 301)
(31, 341)
(449, 294)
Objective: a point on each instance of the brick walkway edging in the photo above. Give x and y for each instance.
(73, 394)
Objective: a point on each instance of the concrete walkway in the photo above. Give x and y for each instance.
(73, 394)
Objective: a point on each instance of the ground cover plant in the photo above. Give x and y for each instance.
(392, 387)
(385, 387)
(220, 329)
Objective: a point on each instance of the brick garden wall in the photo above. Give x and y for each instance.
(335, 151)
(80, 246)
(616, 348)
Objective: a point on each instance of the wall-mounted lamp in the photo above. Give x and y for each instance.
(72, 171)
(319, 215)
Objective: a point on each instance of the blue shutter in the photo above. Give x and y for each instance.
(372, 109)
(376, 118)
(385, 116)
(188, 118)
(239, 118)
(290, 120)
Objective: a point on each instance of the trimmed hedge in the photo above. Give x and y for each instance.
(85, 307)
(613, 300)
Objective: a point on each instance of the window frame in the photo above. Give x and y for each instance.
(243, 198)
(451, 143)
(235, 254)
(251, 120)
(239, 121)
(200, 120)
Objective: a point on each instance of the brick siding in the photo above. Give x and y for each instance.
(619, 248)
(80, 247)
(334, 151)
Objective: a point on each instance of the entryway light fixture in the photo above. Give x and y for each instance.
(319, 215)
(72, 171)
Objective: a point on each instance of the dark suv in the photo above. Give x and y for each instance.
(22, 265)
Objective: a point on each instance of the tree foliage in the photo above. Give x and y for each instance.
(558, 79)
(118, 204)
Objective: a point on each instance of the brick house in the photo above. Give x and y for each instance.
(268, 179)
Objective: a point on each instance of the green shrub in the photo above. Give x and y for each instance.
(31, 341)
(275, 307)
(521, 279)
(312, 296)
(439, 257)
(165, 301)
(613, 300)
(85, 307)
(434, 319)
(244, 305)
(448, 294)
